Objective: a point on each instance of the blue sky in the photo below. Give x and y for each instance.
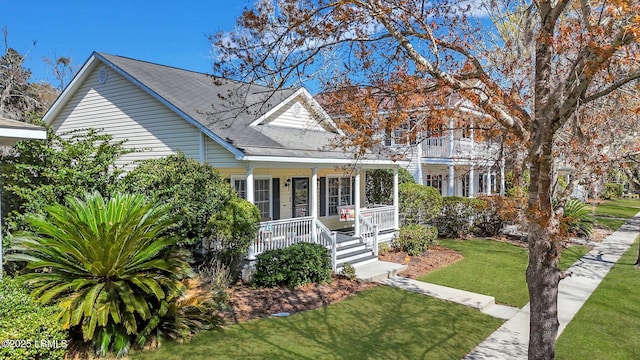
(168, 32)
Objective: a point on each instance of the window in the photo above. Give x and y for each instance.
(487, 183)
(338, 193)
(241, 187)
(400, 136)
(466, 131)
(261, 194)
(465, 185)
(262, 198)
(435, 181)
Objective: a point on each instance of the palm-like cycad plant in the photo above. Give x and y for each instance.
(108, 264)
(577, 218)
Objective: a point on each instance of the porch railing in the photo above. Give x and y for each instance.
(381, 215)
(279, 234)
(328, 238)
(369, 234)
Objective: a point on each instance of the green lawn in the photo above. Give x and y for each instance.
(613, 213)
(608, 324)
(493, 268)
(380, 323)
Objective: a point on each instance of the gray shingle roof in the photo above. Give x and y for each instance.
(227, 108)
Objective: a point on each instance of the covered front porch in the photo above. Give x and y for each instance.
(323, 204)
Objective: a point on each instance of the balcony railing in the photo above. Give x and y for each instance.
(463, 148)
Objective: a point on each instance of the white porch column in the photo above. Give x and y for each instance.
(488, 175)
(314, 193)
(396, 212)
(502, 183)
(451, 187)
(472, 181)
(250, 193)
(314, 203)
(356, 204)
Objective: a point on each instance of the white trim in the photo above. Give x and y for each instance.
(356, 203)
(69, 90)
(201, 147)
(23, 134)
(310, 101)
(326, 161)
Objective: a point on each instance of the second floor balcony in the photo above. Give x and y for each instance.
(459, 148)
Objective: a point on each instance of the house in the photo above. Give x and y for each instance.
(12, 131)
(453, 160)
(439, 133)
(274, 147)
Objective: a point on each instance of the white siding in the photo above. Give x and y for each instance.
(220, 157)
(414, 166)
(128, 113)
(287, 117)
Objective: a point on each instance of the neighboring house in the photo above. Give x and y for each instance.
(10, 132)
(274, 147)
(453, 160)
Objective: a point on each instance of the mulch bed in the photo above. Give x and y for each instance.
(248, 303)
(251, 303)
(436, 257)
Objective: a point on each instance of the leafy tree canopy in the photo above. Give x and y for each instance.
(43, 172)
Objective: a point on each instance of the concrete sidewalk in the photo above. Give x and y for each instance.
(511, 340)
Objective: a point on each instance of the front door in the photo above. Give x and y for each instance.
(300, 196)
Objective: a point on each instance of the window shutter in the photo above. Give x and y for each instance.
(275, 186)
(323, 196)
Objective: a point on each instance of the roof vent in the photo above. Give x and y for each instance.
(296, 109)
(102, 75)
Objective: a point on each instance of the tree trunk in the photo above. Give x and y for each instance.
(542, 281)
(543, 274)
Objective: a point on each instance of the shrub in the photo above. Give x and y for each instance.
(24, 319)
(295, 265)
(348, 271)
(200, 306)
(577, 219)
(419, 204)
(106, 263)
(232, 229)
(383, 248)
(193, 190)
(379, 184)
(611, 191)
(415, 239)
(459, 215)
(498, 211)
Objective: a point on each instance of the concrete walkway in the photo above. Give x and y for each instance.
(484, 303)
(511, 340)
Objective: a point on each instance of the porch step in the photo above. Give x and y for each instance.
(352, 246)
(358, 263)
(353, 256)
